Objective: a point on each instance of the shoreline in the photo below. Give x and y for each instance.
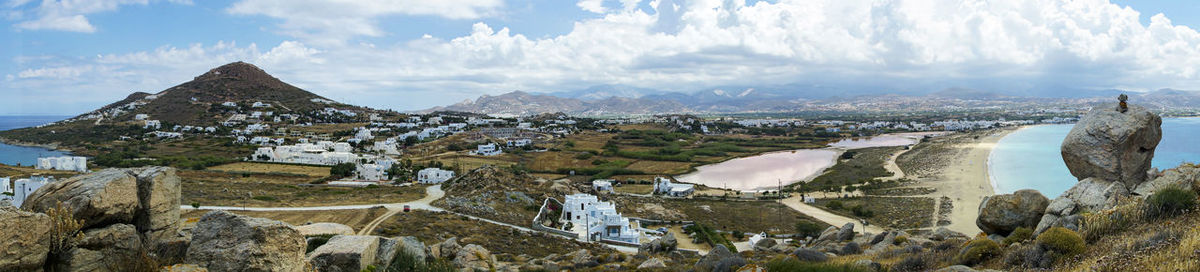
(990, 175)
(50, 146)
(968, 181)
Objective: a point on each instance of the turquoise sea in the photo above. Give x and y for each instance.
(23, 155)
(1030, 158)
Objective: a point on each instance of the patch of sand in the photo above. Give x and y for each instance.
(965, 180)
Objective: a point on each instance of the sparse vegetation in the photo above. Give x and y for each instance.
(1020, 234)
(1062, 241)
(1170, 201)
(979, 250)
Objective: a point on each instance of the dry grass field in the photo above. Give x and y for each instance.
(16, 172)
(640, 189)
(435, 227)
(211, 188)
(356, 219)
(272, 168)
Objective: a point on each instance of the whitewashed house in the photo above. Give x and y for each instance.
(603, 185)
(363, 134)
(64, 163)
(664, 186)
(371, 171)
(488, 150)
(304, 154)
(229, 104)
(598, 220)
(141, 116)
(259, 104)
(519, 142)
(152, 124)
(22, 188)
(434, 175)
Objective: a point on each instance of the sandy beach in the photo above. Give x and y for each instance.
(959, 171)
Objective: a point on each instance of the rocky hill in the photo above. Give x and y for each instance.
(500, 194)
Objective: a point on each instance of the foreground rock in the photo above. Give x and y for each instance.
(324, 228)
(1001, 214)
(719, 259)
(1112, 145)
(24, 239)
(348, 253)
(1185, 176)
(474, 258)
(158, 195)
(223, 241)
(98, 199)
(117, 247)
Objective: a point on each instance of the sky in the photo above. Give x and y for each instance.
(65, 57)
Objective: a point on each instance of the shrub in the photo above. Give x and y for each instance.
(1061, 240)
(851, 248)
(834, 205)
(737, 235)
(1020, 234)
(404, 261)
(861, 211)
(1170, 201)
(900, 240)
(195, 205)
(583, 156)
(809, 255)
(1121, 217)
(808, 228)
(978, 251)
(912, 263)
(794, 265)
(64, 229)
(1030, 256)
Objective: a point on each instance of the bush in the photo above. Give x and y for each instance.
(861, 211)
(1020, 234)
(1121, 217)
(341, 170)
(809, 255)
(737, 235)
(834, 205)
(808, 228)
(65, 230)
(912, 263)
(1170, 201)
(195, 205)
(583, 156)
(1062, 241)
(900, 240)
(1030, 256)
(978, 251)
(794, 265)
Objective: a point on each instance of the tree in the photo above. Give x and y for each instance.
(341, 170)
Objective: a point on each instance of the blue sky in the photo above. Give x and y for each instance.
(67, 57)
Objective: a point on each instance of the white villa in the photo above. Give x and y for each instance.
(371, 171)
(141, 116)
(434, 175)
(259, 104)
(229, 104)
(22, 188)
(488, 150)
(666, 187)
(64, 163)
(598, 220)
(602, 185)
(152, 124)
(519, 142)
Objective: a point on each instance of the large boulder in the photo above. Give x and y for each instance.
(717, 258)
(1112, 145)
(102, 198)
(942, 233)
(1184, 176)
(345, 253)
(117, 247)
(407, 244)
(1001, 214)
(446, 249)
(1093, 194)
(765, 244)
(24, 239)
(652, 263)
(223, 241)
(846, 233)
(325, 229)
(473, 257)
(158, 192)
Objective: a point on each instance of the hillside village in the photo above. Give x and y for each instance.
(296, 182)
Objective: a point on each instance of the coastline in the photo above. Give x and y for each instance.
(967, 181)
(990, 175)
(50, 146)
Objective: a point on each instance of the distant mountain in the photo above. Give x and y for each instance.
(519, 103)
(966, 94)
(608, 90)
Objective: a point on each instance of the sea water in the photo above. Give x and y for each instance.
(1030, 158)
(25, 155)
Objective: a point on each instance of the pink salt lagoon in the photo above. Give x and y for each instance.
(769, 170)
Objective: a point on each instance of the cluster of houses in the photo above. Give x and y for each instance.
(320, 153)
(434, 175)
(63, 163)
(20, 189)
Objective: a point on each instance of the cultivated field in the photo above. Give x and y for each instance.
(212, 188)
(272, 168)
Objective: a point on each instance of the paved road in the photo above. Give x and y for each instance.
(829, 218)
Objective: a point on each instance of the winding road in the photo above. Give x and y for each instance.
(829, 218)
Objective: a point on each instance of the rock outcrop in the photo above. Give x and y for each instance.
(1185, 176)
(325, 228)
(158, 192)
(473, 257)
(345, 253)
(1001, 214)
(446, 249)
(652, 263)
(1112, 145)
(223, 241)
(717, 258)
(113, 248)
(24, 239)
(846, 233)
(98, 199)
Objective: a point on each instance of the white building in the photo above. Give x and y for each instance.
(602, 185)
(519, 142)
(666, 187)
(64, 163)
(260, 105)
(229, 104)
(22, 188)
(598, 220)
(434, 175)
(141, 116)
(304, 153)
(488, 150)
(371, 171)
(152, 124)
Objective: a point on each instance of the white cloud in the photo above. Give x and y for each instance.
(333, 22)
(687, 46)
(66, 15)
(594, 6)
